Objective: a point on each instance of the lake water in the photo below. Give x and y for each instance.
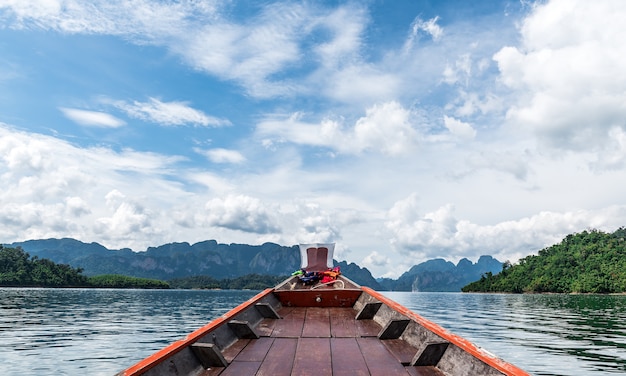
(101, 332)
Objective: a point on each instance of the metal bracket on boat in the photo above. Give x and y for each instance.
(368, 311)
(267, 311)
(209, 355)
(243, 329)
(431, 354)
(393, 329)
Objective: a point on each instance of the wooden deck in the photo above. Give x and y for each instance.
(318, 342)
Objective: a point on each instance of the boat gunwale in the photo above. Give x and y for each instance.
(463, 343)
(153, 360)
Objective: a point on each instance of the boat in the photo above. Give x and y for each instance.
(318, 322)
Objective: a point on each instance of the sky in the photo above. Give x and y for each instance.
(401, 130)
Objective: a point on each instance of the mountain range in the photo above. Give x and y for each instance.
(441, 275)
(178, 260)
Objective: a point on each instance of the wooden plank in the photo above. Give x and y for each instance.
(367, 328)
(279, 359)
(284, 311)
(231, 352)
(294, 313)
(266, 327)
(401, 350)
(342, 323)
(347, 359)
(312, 357)
(291, 324)
(424, 371)
(255, 351)
(379, 361)
(316, 323)
(241, 368)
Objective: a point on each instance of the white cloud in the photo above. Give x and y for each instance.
(240, 212)
(55, 189)
(76, 206)
(92, 118)
(613, 157)
(461, 71)
(359, 84)
(141, 20)
(459, 129)
(253, 53)
(346, 25)
(385, 129)
(220, 155)
(568, 73)
(323, 172)
(128, 219)
(168, 113)
(440, 233)
(419, 26)
(375, 259)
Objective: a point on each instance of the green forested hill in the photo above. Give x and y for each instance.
(587, 262)
(18, 269)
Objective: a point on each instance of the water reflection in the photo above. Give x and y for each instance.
(66, 331)
(545, 334)
(69, 331)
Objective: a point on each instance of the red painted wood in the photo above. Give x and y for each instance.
(255, 351)
(342, 323)
(379, 361)
(328, 297)
(316, 323)
(347, 358)
(279, 360)
(312, 357)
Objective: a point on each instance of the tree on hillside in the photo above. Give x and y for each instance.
(14, 266)
(587, 262)
(17, 269)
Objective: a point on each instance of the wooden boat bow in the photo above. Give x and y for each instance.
(338, 328)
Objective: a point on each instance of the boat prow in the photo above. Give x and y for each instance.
(319, 328)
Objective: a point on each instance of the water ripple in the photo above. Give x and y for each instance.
(544, 334)
(69, 331)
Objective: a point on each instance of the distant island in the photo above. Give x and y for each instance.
(587, 262)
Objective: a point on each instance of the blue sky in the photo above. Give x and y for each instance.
(401, 130)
